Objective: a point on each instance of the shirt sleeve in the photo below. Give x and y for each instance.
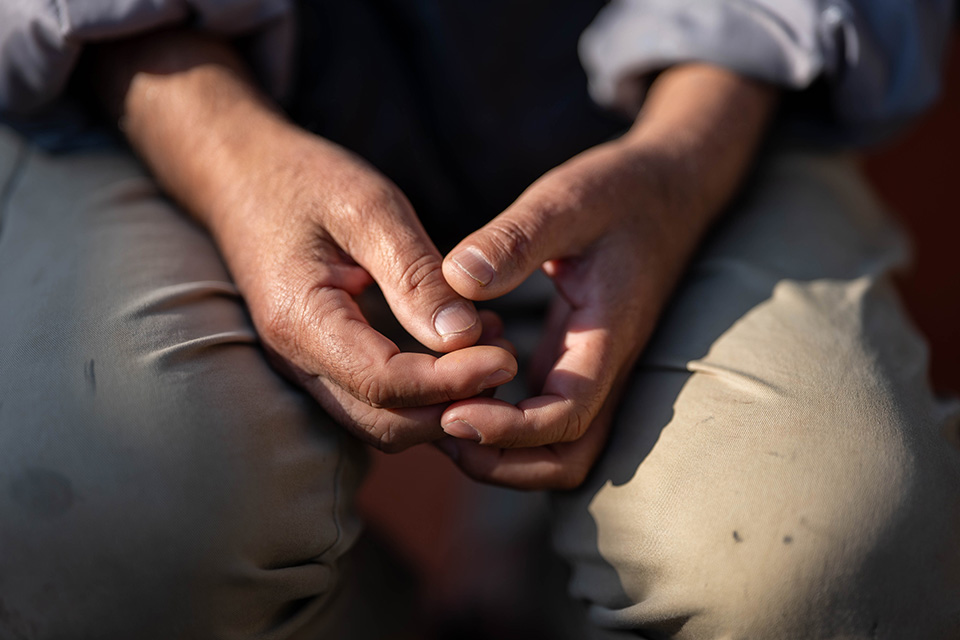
(40, 42)
(878, 59)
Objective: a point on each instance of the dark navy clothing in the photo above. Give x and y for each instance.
(462, 104)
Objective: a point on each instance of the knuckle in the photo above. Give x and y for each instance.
(368, 424)
(511, 238)
(578, 421)
(417, 272)
(378, 428)
(370, 389)
(386, 435)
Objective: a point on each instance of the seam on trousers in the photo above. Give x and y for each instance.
(6, 191)
(337, 489)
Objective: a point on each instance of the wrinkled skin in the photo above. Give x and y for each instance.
(305, 226)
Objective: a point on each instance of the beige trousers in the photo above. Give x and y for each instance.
(779, 467)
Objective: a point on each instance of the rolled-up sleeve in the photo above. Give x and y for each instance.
(41, 40)
(879, 59)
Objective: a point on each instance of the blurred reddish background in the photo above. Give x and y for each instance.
(918, 176)
(416, 499)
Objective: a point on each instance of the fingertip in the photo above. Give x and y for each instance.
(454, 319)
(454, 326)
(471, 273)
(462, 430)
(497, 378)
(493, 417)
(472, 262)
(426, 305)
(471, 371)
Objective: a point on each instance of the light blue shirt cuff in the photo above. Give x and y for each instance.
(40, 42)
(880, 59)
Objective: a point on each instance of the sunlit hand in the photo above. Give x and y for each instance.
(312, 227)
(613, 228)
(304, 226)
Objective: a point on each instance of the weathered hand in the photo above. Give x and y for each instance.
(311, 228)
(614, 228)
(304, 226)
(612, 263)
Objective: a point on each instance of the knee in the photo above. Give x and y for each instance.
(861, 560)
(211, 523)
(779, 517)
(154, 471)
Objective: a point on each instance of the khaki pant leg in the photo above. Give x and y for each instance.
(157, 478)
(779, 467)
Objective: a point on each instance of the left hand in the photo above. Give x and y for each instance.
(304, 227)
(614, 228)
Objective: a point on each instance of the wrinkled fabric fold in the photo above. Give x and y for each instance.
(41, 42)
(879, 59)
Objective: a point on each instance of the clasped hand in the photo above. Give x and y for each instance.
(334, 226)
(305, 226)
(613, 228)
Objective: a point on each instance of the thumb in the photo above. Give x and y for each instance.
(410, 275)
(383, 235)
(496, 258)
(393, 247)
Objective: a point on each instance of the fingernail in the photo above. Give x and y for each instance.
(462, 429)
(449, 447)
(473, 263)
(496, 378)
(456, 318)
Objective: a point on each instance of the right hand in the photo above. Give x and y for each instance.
(310, 228)
(305, 226)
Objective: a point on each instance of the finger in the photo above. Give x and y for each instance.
(501, 343)
(558, 466)
(392, 245)
(506, 251)
(390, 430)
(324, 334)
(573, 393)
